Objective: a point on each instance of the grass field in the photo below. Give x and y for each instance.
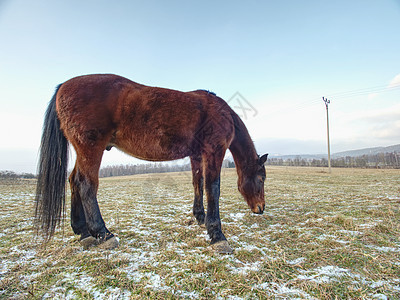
(322, 236)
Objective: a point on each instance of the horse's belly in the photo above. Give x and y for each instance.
(156, 147)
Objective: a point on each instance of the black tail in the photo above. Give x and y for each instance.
(52, 173)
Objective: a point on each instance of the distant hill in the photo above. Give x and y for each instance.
(351, 153)
(367, 151)
(378, 157)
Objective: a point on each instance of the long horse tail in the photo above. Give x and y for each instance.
(52, 173)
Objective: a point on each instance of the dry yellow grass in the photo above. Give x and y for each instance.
(322, 236)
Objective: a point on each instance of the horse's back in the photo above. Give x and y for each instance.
(92, 93)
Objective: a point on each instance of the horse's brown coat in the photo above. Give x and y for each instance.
(96, 112)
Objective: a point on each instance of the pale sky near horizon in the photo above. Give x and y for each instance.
(281, 56)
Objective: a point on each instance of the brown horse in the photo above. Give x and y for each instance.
(97, 112)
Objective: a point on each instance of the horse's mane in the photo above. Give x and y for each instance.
(242, 146)
(207, 91)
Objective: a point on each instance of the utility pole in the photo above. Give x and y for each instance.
(327, 131)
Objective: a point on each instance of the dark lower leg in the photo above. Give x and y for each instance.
(94, 221)
(78, 220)
(213, 221)
(198, 208)
(197, 173)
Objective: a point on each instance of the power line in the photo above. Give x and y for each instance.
(337, 96)
(365, 91)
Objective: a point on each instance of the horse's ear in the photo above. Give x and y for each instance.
(262, 159)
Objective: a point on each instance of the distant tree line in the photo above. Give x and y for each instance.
(124, 170)
(13, 175)
(158, 167)
(379, 161)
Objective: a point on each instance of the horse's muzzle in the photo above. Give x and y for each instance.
(259, 209)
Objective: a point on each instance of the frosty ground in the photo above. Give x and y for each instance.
(322, 236)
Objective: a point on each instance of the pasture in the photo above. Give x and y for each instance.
(322, 236)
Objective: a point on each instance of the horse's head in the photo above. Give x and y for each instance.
(251, 185)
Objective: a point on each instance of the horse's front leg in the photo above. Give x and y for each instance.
(213, 220)
(198, 179)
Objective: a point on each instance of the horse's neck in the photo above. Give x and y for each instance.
(242, 148)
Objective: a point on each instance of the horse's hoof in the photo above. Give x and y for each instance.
(88, 242)
(109, 244)
(193, 220)
(222, 247)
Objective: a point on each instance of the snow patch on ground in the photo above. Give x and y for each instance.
(323, 274)
(384, 249)
(283, 290)
(296, 261)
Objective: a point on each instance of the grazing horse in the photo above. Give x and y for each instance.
(97, 112)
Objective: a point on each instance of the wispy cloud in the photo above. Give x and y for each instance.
(395, 81)
(384, 124)
(390, 131)
(367, 128)
(372, 96)
(383, 115)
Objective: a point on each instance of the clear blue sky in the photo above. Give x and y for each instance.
(282, 56)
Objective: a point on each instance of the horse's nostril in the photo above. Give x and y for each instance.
(260, 209)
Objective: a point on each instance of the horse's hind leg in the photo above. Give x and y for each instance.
(198, 179)
(87, 182)
(78, 219)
